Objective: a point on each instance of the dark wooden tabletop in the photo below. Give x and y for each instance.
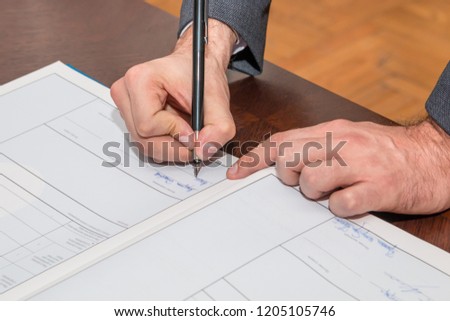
(106, 37)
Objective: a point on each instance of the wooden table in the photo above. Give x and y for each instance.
(105, 37)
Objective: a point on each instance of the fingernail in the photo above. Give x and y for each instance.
(233, 169)
(184, 139)
(209, 150)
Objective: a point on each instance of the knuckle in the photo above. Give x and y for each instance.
(277, 137)
(147, 150)
(136, 73)
(144, 128)
(227, 130)
(310, 179)
(172, 127)
(285, 175)
(349, 202)
(115, 90)
(338, 124)
(281, 161)
(358, 139)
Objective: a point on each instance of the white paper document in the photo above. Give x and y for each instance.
(83, 217)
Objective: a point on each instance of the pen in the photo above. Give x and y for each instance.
(200, 39)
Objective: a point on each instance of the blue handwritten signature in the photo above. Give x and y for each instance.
(403, 288)
(359, 232)
(167, 179)
(390, 249)
(356, 231)
(186, 187)
(390, 295)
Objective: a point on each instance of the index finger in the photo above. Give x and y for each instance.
(268, 152)
(148, 99)
(262, 156)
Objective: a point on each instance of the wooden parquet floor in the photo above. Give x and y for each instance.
(385, 55)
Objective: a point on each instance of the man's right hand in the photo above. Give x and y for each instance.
(154, 99)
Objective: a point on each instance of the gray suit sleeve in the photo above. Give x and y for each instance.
(438, 104)
(249, 19)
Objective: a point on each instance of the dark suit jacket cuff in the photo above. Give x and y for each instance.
(246, 17)
(438, 104)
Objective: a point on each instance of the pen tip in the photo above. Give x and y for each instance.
(197, 167)
(195, 171)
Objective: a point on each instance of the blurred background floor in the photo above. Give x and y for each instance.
(385, 55)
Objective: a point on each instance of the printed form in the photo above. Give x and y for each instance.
(74, 226)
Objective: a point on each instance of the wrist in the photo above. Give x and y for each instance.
(427, 131)
(433, 158)
(221, 41)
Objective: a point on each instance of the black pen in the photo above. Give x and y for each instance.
(200, 39)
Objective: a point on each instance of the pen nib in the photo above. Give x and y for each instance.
(197, 167)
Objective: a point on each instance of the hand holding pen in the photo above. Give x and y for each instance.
(155, 99)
